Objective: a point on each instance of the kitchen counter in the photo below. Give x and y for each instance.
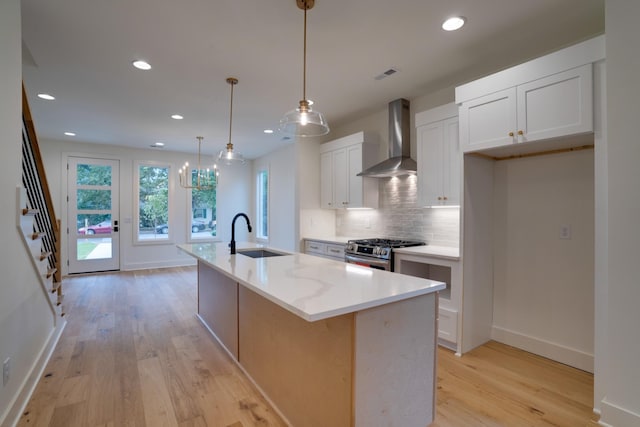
(444, 252)
(310, 287)
(341, 240)
(327, 343)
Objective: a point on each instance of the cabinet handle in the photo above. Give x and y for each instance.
(510, 133)
(314, 247)
(439, 198)
(444, 198)
(520, 132)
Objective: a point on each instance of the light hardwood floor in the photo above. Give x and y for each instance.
(134, 354)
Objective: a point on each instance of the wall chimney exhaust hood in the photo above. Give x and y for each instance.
(399, 162)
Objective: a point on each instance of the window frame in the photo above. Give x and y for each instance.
(136, 204)
(262, 171)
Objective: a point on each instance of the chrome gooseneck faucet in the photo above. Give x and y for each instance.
(232, 244)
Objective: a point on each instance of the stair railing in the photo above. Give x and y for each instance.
(35, 183)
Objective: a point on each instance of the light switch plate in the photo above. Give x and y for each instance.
(565, 232)
(6, 369)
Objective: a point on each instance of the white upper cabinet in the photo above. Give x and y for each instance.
(546, 98)
(341, 161)
(439, 157)
(554, 106)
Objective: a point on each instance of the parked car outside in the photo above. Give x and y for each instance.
(196, 226)
(103, 227)
(162, 229)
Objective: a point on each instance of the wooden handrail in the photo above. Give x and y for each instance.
(31, 131)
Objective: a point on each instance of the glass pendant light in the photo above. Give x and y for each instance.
(228, 156)
(304, 121)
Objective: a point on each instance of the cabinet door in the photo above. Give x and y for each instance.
(430, 163)
(355, 197)
(340, 178)
(489, 121)
(326, 180)
(558, 105)
(452, 162)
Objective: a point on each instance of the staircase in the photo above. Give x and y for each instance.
(36, 217)
(35, 244)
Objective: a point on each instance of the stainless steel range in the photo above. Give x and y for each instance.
(375, 253)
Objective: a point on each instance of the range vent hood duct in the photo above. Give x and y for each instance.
(399, 162)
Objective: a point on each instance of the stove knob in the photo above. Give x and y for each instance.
(378, 250)
(384, 252)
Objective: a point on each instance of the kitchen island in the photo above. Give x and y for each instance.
(327, 343)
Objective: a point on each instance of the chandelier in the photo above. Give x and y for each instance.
(198, 179)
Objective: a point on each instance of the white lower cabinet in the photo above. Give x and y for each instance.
(449, 299)
(324, 249)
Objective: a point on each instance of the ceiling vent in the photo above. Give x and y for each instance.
(387, 73)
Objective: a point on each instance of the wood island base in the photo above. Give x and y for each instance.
(374, 367)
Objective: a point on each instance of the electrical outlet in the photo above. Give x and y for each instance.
(565, 232)
(6, 369)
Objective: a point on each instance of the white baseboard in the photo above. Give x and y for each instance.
(613, 416)
(568, 356)
(12, 416)
(158, 264)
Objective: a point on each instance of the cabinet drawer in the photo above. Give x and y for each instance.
(336, 251)
(448, 324)
(314, 247)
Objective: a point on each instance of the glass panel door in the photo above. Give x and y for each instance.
(93, 215)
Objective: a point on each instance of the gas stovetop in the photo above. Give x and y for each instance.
(378, 248)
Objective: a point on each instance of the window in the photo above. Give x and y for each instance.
(153, 203)
(262, 203)
(202, 213)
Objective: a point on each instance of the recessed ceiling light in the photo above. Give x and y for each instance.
(70, 134)
(157, 145)
(141, 65)
(46, 96)
(453, 23)
(177, 117)
(268, 131)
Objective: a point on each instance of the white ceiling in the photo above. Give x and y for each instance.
(81, 51)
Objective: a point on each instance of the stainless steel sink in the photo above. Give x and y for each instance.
(259, 253)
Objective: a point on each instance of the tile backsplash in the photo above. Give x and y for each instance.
(400, 217)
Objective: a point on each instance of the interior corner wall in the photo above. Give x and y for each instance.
(26, 318)
(544, 283)
(621, 404)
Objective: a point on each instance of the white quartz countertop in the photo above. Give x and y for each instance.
(443, 252)
(311, 287)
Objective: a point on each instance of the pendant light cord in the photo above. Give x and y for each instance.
(231, 112)
(304, 56)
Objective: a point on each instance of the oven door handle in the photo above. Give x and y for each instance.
(371, 261)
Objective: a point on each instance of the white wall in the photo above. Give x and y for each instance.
(543, 296)
(621, 404)
(26, 318)
(283, 199)
(234, 195)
